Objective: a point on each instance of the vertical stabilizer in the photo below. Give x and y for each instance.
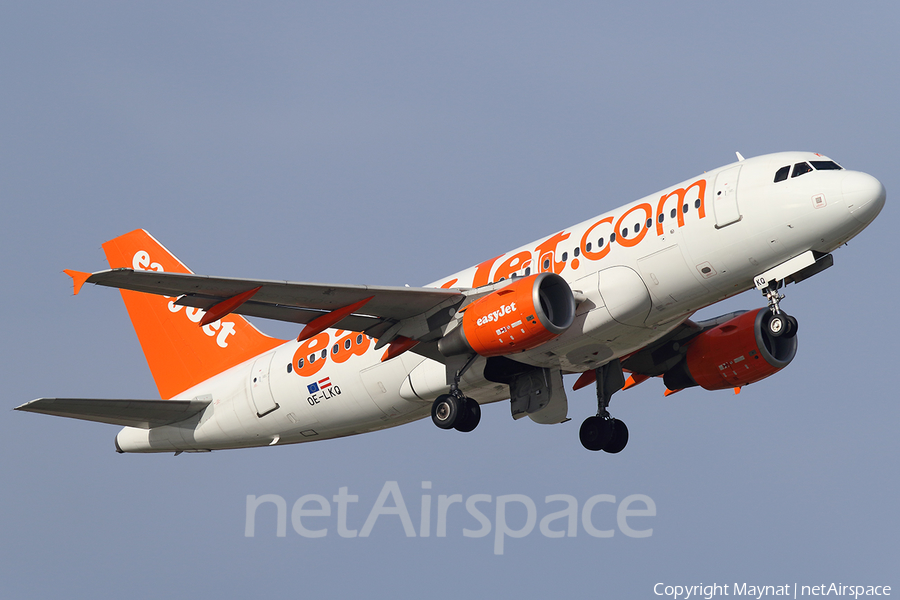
(180, 352)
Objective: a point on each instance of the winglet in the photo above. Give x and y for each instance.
(78, 279)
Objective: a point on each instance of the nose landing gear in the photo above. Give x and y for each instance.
(779, 323)
(602, 432)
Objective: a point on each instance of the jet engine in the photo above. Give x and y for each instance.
(738, 352)
(524, 314)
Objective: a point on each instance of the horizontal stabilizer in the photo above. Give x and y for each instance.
(129, 413)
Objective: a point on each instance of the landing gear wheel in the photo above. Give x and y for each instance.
(792, 327)
(777, 325)
(596, 433)
(447, 411)
(470, 416)
(619, 438)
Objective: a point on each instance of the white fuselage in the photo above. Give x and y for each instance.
(695, 243)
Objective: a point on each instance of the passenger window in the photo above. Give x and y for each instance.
(576, 251)
(300, 364)
(565, 256)
(637, 227)
(697, 201)
(662, 217)
(672, 213)
(587, 247)
(800, 169)
(649, 223)
(347, 343)
(335, 348)
(684, 208)
(625, 232)
(825, 165)
(612, 237)
(782, 173)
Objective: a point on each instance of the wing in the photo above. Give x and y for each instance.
(130, 413)
(663, 354)
(379, 311)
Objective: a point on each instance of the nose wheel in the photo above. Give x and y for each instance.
(782, 325)
(779, 323)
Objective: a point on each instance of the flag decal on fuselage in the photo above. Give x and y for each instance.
(319, 385)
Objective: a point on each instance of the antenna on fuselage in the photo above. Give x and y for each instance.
(740, 158)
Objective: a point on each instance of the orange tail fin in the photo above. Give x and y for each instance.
(180, 353)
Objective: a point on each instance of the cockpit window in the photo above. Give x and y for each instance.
(782, 173)
(801, 169)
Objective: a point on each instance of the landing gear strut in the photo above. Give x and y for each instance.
(455, 410)
(779, 323)
(602, 432)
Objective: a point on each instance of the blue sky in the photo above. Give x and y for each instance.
(396, 143)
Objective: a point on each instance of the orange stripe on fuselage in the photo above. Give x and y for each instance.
(545, 253)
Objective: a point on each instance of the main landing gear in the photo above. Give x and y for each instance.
(602, 432)
(779, 323)
(455, 410)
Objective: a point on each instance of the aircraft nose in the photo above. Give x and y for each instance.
(864, 196)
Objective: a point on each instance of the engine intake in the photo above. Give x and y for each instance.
(736, 353)
(524, 314)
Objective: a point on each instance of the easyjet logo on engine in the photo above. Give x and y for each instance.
(220, 330)
(495, 316)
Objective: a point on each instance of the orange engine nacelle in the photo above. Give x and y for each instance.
(524, 314)
(736, 353)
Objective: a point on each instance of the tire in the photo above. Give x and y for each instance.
(471, 416)
(446, 411)
(793, 325)
(595, 433)
(777, 325)
(619, 438)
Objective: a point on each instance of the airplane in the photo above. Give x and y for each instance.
(607, 297)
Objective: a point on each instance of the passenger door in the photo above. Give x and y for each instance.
(725, 200)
